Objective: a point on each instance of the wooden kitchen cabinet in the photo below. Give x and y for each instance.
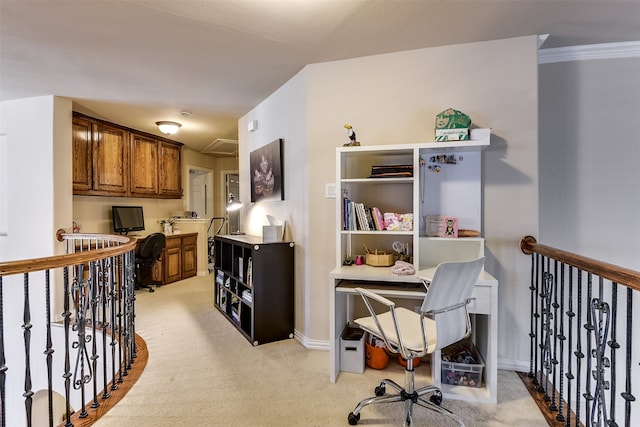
(144, 166)
(170, 170)
(179, 259)
(189, 256)
(111, 160)
(100, 157)
(173, 259)
(82, 154)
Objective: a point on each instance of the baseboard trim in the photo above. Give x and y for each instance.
(311, 344)
(324, 345)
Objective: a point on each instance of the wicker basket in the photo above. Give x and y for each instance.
(380, 259)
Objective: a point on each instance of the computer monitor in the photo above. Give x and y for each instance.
(127, 218)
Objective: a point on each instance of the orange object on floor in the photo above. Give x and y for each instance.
(403, 362)
(376, 357)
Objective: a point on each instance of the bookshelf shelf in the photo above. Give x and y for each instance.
(254, 286)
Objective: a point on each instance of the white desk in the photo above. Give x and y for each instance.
(484, 309)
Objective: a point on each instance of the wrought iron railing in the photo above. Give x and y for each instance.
(58, 368)
(582, 360)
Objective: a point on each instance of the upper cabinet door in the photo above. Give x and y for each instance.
(82, 154)
(144, 165)
(110, 159)
(170, 170)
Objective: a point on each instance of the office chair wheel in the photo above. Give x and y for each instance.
(353, 418)
(380, 390)
(436, 398)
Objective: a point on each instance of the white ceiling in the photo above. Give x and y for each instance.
(135, 62)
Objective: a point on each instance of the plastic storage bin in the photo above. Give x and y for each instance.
(462, 364)
(352, 350)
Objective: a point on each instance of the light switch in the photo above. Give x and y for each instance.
(330, 190)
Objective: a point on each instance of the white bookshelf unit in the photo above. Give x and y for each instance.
(446, 180)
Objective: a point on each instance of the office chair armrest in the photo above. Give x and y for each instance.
(449, 308)
(367, 297)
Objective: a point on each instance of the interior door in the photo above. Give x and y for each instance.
(198, 192)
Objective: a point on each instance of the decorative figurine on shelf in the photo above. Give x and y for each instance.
(352, 136)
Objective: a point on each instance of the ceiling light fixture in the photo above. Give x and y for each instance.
(168, 128)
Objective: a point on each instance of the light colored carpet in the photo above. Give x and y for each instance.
(202, 372)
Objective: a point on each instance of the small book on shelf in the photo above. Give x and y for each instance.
(250, 273)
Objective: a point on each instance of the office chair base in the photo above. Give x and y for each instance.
(433, 403)
(149, 287)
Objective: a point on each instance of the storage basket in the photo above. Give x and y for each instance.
(467, 374)
(381, 259)
(375, 357)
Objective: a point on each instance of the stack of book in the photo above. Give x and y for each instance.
(247, 296)
(391, 171)
(357, 216)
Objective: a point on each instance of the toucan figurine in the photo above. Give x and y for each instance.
(352, 136)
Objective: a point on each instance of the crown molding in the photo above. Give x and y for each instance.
(592, 51)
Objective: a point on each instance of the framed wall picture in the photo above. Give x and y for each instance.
(267, 181)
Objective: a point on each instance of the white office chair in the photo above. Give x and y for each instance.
(443, 320)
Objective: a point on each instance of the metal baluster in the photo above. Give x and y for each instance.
(578, 353)
(536, 315)
(26, 325)
(614, 345)
(82, 294)
(93, 305)
(134, 348)
(49, 349)
(547, 315)
(120, 330)
(113, 292)
(106, 280)
(125, 333)
(627, 395)
(66, 314)
(532, 334)
(561, 339)
(570, 314)
(105, 297)
(3, 366)
(589, 327)
(554, 358)
(600, 316)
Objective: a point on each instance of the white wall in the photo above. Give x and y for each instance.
(38, 138)
(589, 151)
(394, 98)
(589, 194)
(283, 115)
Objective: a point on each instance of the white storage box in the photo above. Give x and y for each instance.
(272, 233)
(352, 350)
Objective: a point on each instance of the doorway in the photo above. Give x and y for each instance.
(232, 186)
(200, 191)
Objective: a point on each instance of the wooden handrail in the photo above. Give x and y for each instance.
(623, 276)
(126, 244)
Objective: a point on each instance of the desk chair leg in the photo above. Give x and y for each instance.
(407, 395)
(149, 287)
(140, 285)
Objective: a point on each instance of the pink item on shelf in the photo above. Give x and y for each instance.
(398, 222)
(403, 268)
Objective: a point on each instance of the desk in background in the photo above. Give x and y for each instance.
(484, 309)
(178, 260)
